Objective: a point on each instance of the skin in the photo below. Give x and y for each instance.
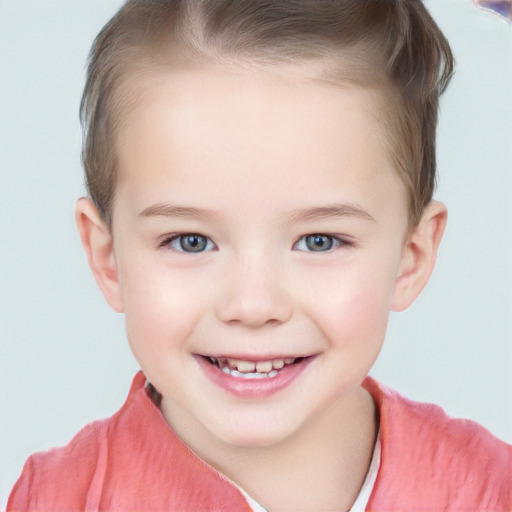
(247, 159)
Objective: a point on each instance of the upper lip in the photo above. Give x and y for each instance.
(256, 358)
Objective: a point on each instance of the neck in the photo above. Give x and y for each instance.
(320, 468)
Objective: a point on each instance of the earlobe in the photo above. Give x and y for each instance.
(419, 256)
(98, 244)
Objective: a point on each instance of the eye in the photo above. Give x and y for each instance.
(319, 242)
(189, 242)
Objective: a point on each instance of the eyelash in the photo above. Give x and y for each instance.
(180, 237)
(335, 242)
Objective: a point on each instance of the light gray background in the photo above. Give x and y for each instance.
(64, 360)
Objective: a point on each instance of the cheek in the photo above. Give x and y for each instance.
(161, 309)
(357, 316)
(353, 309)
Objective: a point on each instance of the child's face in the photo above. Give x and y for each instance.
(295, 224)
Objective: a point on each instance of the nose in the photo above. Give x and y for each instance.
(255, 294)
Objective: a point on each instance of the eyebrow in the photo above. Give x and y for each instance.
(306, 215)
(170, 210)
(325, 212)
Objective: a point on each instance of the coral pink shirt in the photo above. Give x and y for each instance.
(134, 462)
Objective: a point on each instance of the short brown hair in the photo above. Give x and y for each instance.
(392, 44)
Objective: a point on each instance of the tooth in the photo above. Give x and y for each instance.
(264, 366)
(249, 375)
(278, 364)
(225, 369)
(273, 373)
(289, 360)
(232, 363)
(245, 366)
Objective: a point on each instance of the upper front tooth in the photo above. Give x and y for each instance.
(245, 366)
(233, 363)
(278, 363)
(264, 366)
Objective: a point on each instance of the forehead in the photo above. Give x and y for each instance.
(248, 129)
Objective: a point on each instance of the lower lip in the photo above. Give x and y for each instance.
(253, 388)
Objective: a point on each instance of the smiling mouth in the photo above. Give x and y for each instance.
(253, 369)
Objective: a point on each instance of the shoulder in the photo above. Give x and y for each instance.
(73, 466)
(65, 476)
(131, 461)
(429, 457)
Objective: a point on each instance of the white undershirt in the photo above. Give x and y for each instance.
(364, 494)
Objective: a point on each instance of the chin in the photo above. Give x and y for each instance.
(255, 434)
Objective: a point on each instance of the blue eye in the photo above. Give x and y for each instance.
(318, 242)
(190, 242)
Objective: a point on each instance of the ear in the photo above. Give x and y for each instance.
(419, 256)
(97, 241)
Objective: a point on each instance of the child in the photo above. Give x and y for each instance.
(261, 176)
